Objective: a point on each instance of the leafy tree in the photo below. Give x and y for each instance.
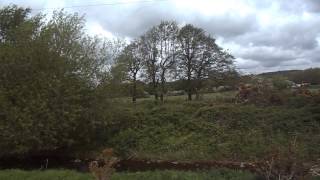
(211, 58)
(167, 50)
(11, 20)
(228, 77)
(199, 55)
(152, 67)
(190, 39)
(160, 45)
(132, 61)
(47, 95)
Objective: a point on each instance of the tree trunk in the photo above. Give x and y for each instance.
(155, 89)
(134, 90)
(162, 92)
(198, 87)
(189, 87)
(189, 96)
(198, 84)
(197, 95)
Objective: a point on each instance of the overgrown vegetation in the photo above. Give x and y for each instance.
(64, 93)
(47, 74)
(149, 175)
(211, 130)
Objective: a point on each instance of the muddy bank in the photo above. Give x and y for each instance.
(143, 165)
(33, 163)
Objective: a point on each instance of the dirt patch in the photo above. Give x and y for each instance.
(123, 165)
(143, 165)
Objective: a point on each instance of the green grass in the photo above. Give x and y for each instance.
(176, 175)
(202, 130)
(43, 175)
(148, 175)
(218, 96)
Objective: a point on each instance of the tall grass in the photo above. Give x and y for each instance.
(149, 175)
(43, 175)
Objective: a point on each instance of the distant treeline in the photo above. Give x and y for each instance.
(311, 75)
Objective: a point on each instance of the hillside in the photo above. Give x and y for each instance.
(310, 75)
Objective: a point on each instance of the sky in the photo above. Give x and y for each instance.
(263, 35)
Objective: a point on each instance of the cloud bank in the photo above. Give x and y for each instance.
(263, 35)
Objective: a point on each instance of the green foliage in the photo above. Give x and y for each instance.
(47, 97)
(280, 83)
(204, 130)
(55, 97)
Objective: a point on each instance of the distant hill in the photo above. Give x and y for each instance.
(311, 75)
(280, 73)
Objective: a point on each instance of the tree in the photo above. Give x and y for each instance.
(132, 60)
(11, 20)
(199, 55)
(47, 93)
(160, 42)
(149, 48)
(167, 48)
(228, 77)
(190, 41)
(212, 58)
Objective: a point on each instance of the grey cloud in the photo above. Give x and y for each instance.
(229, 25)
(313, 55)
(312, 5)
(297, 35)
(293, 6)
(268, 56)
(286, 44)
(134, 20)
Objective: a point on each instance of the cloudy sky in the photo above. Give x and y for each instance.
(263, 35)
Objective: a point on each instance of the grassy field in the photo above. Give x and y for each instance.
(214, 128)
(204, 97)
(155, 175)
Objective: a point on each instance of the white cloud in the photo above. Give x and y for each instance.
(95, 29)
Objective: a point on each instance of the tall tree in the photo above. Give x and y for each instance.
(190, 41)
(199, 54)
(167, 50)
(132, 60)
(212, 58)
(149, 47)
(160, 43)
